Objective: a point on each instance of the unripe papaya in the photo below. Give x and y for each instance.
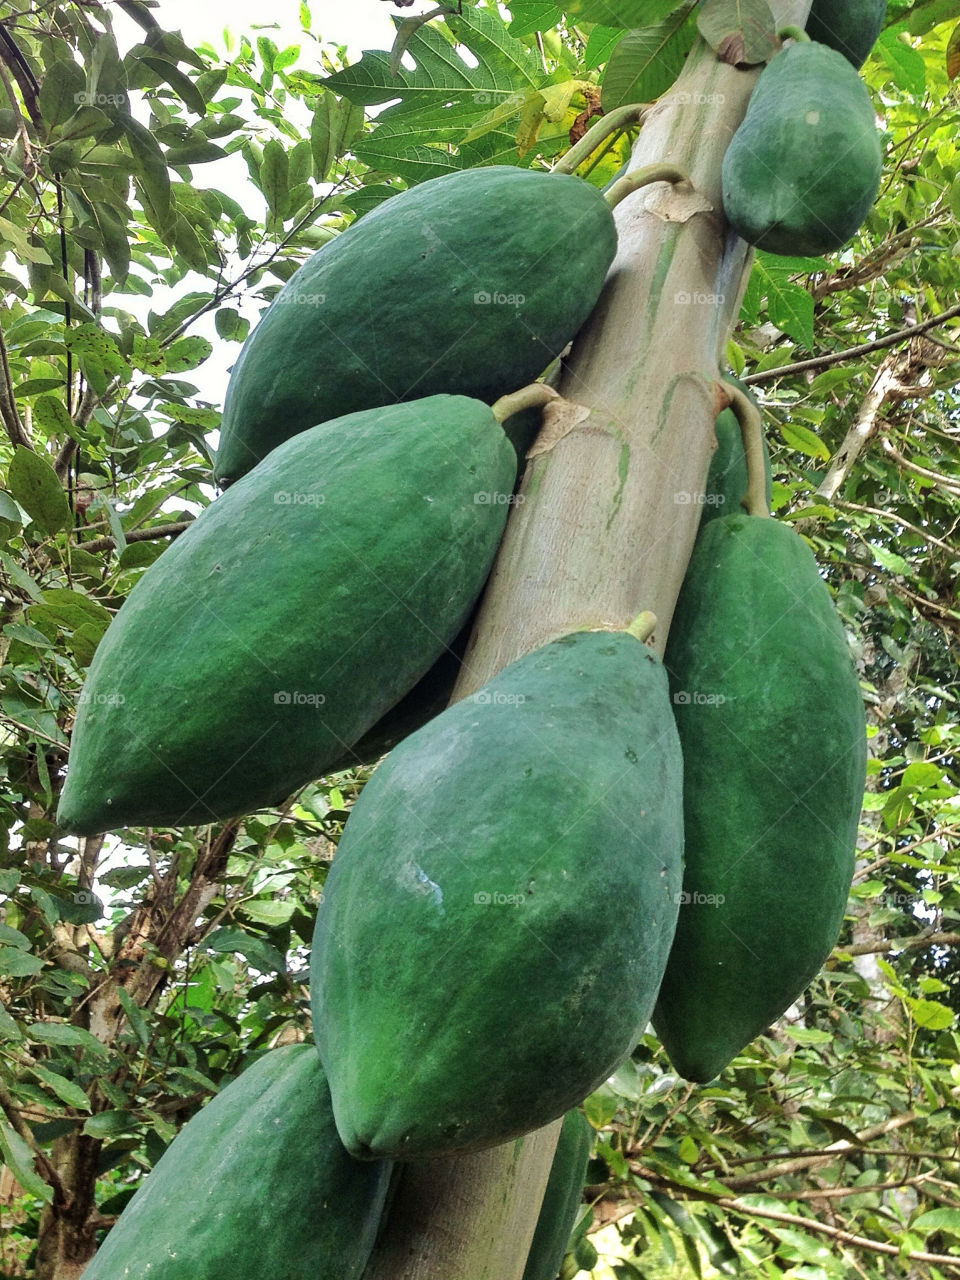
(561, 1200)
(442, 288)
(803, 169)
(768, 707)
(849, 26)
(257, 1186)
(293, 613)
(727, 477)
(504, 871)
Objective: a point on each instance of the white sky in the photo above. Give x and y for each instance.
(362, 25)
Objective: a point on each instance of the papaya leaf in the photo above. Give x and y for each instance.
(600, 44)
(622, 13)
(533, 15)
(34, 484)
(646, 62)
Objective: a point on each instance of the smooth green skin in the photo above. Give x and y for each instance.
(727, 477)
(399, 317)
(849, 26)
(773, 784)
(350, 598)
(561, 1200)
(803, 170)
(257, 1186)
(450, 1023)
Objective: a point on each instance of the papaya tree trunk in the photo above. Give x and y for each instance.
(609, 517)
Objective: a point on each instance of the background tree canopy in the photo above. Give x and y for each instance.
(138, 975)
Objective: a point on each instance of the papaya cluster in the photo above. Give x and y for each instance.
(803, 170)
(592, 840)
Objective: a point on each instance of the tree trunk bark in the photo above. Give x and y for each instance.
(605, 530)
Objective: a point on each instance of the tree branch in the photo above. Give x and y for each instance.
(950, 483)
(835, 1233)
(8, 409)
(138, 535)
(890, 515)
(853, 353)
(901, 944)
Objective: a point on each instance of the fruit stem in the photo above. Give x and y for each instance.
(643, 626)
(535, 396)
(643, 178)
(794, 33)
(619, 119)
(751, 429)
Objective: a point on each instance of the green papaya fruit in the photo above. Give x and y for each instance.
(727, 477)
(293, 613)
(504, 870)
(770, 717)
(803, 169)
(849, 26)
(561, 1200)
(442, 288)
(257, 1186)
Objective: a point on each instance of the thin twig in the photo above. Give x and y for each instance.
(852, 353)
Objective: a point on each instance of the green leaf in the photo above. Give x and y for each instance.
(688, 1150)
(86, 122)
(600, 45)
(920, 775)
(274, 177)
(13, 937)
(135, 1018)
(231, 326)
(931, 1014)
(621, 13)
(533, 15)
(34, 484)
(744, 30)
(18, 1158)
(261, 954)
(19, 964)
(804, 440)
(181, 84)
(646, 63)
(790, 307)
(109, 1124)
(907, 67)
(8, 1028)
(66, 1090)
(61, 91)
(151, 170)
(187, 353)
(947, 1220)
(808, 1035)
(50, 415)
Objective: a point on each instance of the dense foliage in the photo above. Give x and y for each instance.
(137, 975)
